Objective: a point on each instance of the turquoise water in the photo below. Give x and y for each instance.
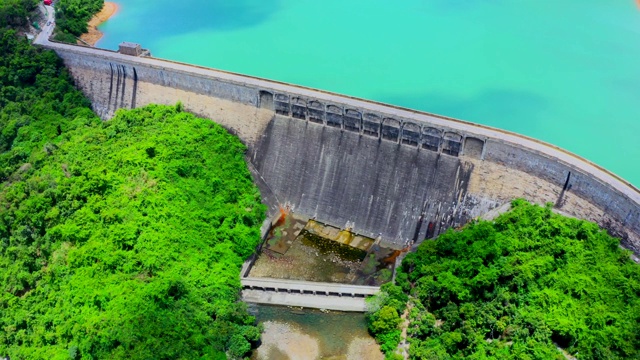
(566, 72)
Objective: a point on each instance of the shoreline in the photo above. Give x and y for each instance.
(93, 35)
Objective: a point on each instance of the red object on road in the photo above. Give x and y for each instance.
(47, 2)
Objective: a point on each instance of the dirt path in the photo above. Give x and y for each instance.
(93, 35)
(403, 347)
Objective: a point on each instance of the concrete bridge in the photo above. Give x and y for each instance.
(329, 296)
(389, 172)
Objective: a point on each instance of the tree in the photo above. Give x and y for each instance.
(520, 286)
(107, 249)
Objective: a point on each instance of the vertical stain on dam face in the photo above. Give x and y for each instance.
(444, 204)
(423, 213)
(398, 192)
(110, 88)
(124, 80)
(566, 183)
(135, 88)
(565, 188)
(115, 100)
(459, 216)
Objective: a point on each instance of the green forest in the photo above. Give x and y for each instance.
(119, 239)
(72, 17)
(524, 286)
(14, 13)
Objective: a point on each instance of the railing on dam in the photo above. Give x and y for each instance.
(330, 296)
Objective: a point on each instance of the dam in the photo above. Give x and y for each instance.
(386, 172)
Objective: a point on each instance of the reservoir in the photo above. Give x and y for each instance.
(565, 72)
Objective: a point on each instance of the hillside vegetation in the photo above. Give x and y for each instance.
(517, 288)
(14, 12)
(72, 17)
(119, 239)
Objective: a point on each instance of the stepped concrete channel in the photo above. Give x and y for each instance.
(385, 172)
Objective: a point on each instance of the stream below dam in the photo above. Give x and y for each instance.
(291, 333)
(298, 248)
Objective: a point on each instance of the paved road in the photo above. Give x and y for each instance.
(47, 29)
(392, 111)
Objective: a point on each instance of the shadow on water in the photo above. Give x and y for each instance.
(493, 107)
(170, 18)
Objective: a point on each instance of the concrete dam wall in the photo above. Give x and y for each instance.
(378, 188)
(383, 171)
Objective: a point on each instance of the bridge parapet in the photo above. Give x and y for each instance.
(307, 287)
(329, 296)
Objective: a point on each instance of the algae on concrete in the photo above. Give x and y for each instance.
(307, 250)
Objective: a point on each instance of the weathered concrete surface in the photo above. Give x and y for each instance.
(378, 188)
(329, 296)
(381, 169)
(337, 303)
(306, 287)
(509, 171)
(111, 86)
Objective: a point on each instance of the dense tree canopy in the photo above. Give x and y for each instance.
(72, 17)
(522, 287)
(119, 239)
(383, 316)
(15, 12)
(35, 90)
